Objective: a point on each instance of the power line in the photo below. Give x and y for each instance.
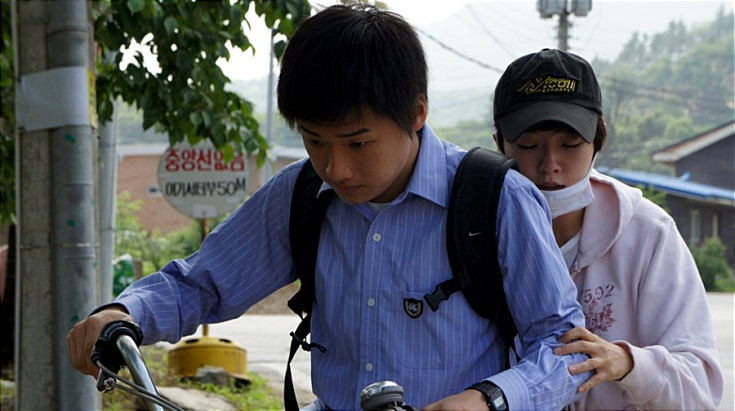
(594, 31)
(473, 13)
(680, 94)
(458, 53)
(678, 97)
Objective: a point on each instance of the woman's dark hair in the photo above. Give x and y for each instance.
(598, 141)
(348, 58)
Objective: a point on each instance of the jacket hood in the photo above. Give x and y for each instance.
(606, 218)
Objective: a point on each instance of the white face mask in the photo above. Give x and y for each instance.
(575, 197)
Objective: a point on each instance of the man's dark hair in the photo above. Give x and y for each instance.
(348, 58)
(599, 140)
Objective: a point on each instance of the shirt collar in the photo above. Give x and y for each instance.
(429, 179)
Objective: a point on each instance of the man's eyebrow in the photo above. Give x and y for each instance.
(345, 135)
(354, 133)
(302, 128)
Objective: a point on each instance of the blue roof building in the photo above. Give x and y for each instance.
(700, 193)
(677, 186)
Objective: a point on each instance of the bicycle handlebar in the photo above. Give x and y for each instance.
(106, 347)
(117, 346)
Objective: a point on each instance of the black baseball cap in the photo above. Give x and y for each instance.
(549, 85)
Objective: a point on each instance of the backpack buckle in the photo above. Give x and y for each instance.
(442, 292)
(305, 345)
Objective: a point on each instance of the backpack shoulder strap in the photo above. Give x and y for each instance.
(471, 242)
(305, 222)
(304, 227)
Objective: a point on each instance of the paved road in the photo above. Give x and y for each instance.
(266, 339)
(723, 305)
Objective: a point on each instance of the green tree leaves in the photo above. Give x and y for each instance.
(185, 96)
(7, 120)
(662, 89)
(713, 268)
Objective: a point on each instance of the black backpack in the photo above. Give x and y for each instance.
(471, 219)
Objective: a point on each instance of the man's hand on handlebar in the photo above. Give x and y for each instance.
(82, 337)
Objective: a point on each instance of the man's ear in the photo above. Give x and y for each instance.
(421, 111)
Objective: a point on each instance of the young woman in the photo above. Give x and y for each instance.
(649, 333)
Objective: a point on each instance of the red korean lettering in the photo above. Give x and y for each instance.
(188, 158)
(172, 160)
(204, 160)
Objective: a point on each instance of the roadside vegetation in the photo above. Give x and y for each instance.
(716, 274)
(255, 396)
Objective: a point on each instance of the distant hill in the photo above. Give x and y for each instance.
(447, 107)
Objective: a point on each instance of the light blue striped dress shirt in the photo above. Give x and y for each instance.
(367, 265)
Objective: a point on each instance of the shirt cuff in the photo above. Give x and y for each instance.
(514, 388)
(109, 305)
(131, 305)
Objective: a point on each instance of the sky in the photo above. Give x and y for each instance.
(491, 33)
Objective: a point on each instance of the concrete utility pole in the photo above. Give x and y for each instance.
(107, 201)
(268, 172)
(56, 151)
(107, 188)
(563, 8)
(563, 31)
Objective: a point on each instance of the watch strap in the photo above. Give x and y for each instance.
(493, 395)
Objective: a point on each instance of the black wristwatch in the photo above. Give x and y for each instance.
(493, 395)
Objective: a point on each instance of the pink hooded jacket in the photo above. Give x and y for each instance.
(638, 284)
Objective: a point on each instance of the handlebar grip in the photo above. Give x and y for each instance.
(105, 348)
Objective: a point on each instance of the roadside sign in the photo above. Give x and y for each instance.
(198, 183)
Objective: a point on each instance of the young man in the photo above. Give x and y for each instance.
(353, 82)
(649, 333)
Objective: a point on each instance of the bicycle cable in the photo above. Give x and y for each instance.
(111, 381)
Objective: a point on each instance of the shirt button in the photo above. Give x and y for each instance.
(369, 366)
(371, 302)
(377, 237)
